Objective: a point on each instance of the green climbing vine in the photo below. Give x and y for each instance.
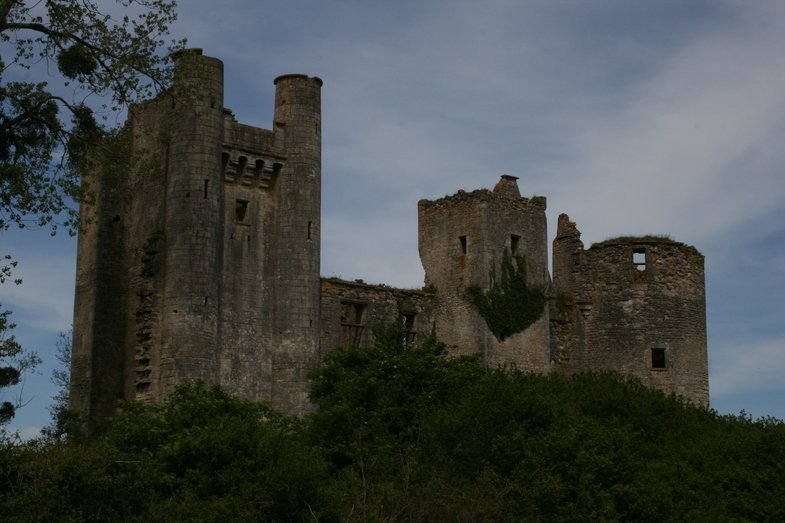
(509, 305)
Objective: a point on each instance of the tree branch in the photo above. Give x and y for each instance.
(97, 51)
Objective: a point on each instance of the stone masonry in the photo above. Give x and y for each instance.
(199, 259)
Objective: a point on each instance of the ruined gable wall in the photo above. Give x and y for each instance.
(351, 310)
(570, 299)
(461, 237)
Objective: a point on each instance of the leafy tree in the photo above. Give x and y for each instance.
(12, 364)
(47, 127)
(373, 403)
(62, 417)
(46, 130)
(201, 456)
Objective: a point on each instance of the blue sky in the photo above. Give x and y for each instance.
(632, 117)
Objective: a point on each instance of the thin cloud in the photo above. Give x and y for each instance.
(672, 156)
(747, 366)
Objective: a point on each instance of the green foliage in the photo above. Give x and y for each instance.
(63, 419)
(46, 128)
(651, 238)
(13, 363)
(76, 60)
(202, 456)
(373, 404)
(509, 305)
(407, 434)
(411, 435)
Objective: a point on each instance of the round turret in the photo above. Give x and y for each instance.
(193, 222)
(646, 315)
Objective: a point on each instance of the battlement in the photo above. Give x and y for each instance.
(505, 192)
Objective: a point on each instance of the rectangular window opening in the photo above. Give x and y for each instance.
(657, 358)
(352, 323)
(515, 241)
(464, 244)
(309, 230)
(639, 259)
(409, 332)
(241, 210)
(206, 185)
(639, 266)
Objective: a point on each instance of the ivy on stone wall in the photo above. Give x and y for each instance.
(509, 305)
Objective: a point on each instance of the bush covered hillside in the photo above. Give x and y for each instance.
(409, 435)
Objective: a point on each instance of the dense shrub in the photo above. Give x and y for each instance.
(403, 433)
(202, 456)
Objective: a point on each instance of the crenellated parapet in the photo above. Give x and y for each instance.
(251, 170)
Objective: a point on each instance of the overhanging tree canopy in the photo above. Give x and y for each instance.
(107, 57)
(66, 66)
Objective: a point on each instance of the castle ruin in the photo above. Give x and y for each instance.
(199, 259)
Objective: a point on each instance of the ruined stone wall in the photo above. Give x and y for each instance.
(461, 238)
(571, 298)
(98, 360)
(638, 306)
(141, 225)
(120, 268)
(351, 310)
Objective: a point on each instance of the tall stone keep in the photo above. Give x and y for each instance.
(199, 258)
(462, 239)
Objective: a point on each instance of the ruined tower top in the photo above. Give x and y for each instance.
(507, 186)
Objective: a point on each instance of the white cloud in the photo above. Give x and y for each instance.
(44, 301)
(744, 366)
(687, 146)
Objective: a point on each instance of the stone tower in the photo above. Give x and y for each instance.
(294, 238)
(462, 238)
(635, 305)
(199, 258)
